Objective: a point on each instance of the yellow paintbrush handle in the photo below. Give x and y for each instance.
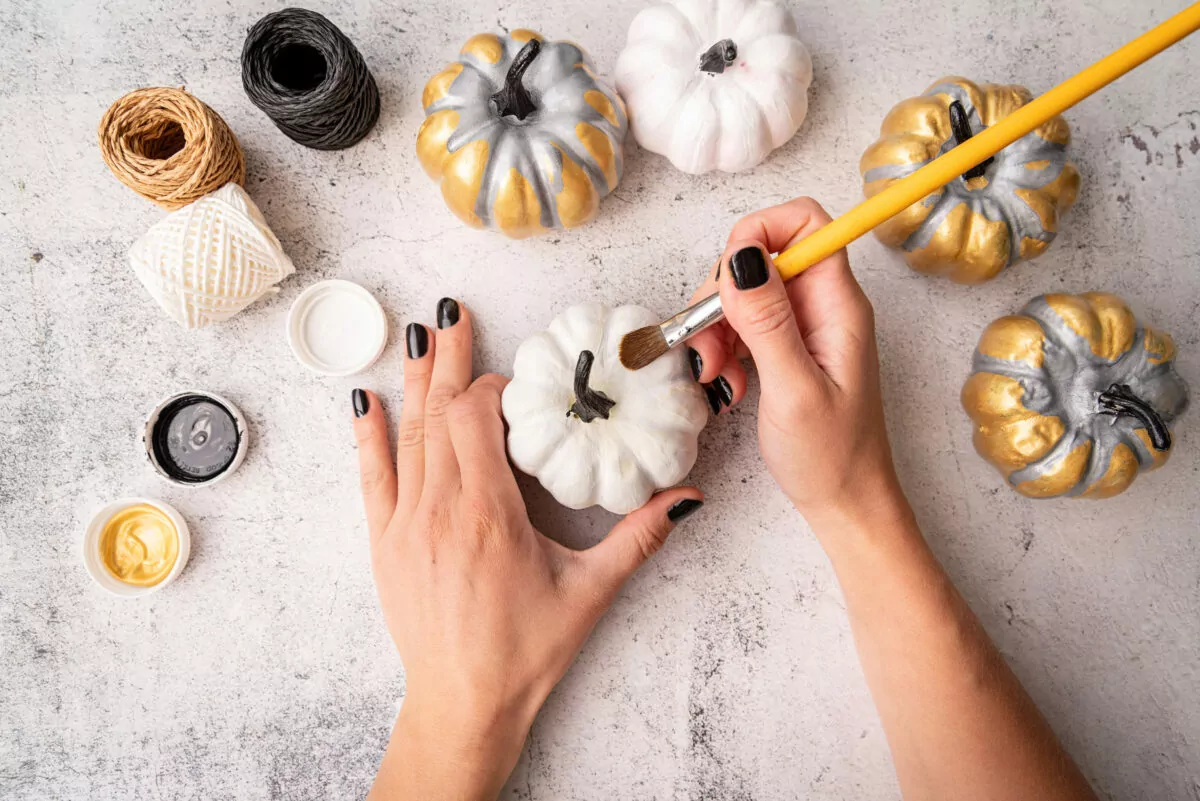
(939, 172)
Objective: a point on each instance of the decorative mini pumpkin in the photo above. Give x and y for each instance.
(212, 258)
(714, 85)
(521, 134)
(1073, 397)
(1003, 211)
(592, 431)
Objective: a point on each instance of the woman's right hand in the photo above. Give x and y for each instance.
(820, 416)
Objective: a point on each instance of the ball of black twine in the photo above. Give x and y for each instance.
(309, 79)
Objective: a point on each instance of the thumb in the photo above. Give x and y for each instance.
(757, 306)
(636, 538)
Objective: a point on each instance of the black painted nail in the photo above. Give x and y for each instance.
(721, 385)
(447, 312)
(749, 268)
(714, 398)
(695, 362)
(417, 339)
(681, 509)
(362, 404)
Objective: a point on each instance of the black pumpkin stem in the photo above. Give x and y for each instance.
(1119, 400)
(715, 59)
(514, 100)
(589, 404)
(960, 124)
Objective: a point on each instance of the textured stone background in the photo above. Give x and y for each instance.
(726, 669)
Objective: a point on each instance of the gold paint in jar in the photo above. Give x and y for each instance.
(139, 545)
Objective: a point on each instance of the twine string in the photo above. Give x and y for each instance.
(310, 79)
(168, 146)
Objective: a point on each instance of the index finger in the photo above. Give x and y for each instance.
(825, 290)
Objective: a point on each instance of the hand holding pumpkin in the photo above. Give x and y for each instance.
(486, 612)
(820, 415)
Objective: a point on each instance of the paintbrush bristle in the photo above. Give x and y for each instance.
(640, 347)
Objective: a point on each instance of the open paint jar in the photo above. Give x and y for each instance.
(195, 438)
(135, 546)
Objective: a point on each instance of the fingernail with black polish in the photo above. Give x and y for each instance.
(695, 362)
(714, 399)
(749, 268)
(417, 339)
(447, 312)
(723, 389)
(681, 509)
(362, 404)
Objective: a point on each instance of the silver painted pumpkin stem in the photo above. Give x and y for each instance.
(589, 404)
(715, 59)
(1119, 400)
(960, 124)
(514, 100)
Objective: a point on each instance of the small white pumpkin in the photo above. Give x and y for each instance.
(590, 430)
(714, 84)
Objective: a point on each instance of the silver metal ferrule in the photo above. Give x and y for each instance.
(692, 320)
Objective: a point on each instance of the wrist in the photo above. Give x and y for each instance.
(873, 507)
(450, 751)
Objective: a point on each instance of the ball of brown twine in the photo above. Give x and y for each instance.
(310, 79)
(168, 146)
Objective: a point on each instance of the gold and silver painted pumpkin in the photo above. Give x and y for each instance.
(1073, 397)
(998, 213)
(521, 134)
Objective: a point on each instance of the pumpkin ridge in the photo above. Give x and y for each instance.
(471, 128)
(577, 153)
(923, 236)
(1022, 222)
(542, 184)
(891, 171)
(1052, 460)
(639, 446)
(1057, 329)
(1039, 396)
(649, 31)
(489, 187)
(1104, 444)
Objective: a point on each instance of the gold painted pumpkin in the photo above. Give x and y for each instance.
(998, 213)
(1073, 397)
(521, 134)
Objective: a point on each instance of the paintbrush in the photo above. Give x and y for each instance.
(640, 347)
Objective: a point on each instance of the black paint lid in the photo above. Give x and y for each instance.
(195, 438)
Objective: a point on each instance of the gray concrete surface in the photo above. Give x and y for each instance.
(726, 670)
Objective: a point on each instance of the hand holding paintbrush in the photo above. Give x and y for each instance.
(643, 346)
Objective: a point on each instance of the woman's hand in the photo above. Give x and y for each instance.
(820, 415)
(486, 612)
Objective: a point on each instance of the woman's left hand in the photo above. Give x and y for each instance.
(486, 611)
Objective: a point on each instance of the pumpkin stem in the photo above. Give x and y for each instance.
(961, 126)
(1119, 400)
(715, 59)
(514, 100)
(589, 404)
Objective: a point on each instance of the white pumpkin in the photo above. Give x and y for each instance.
(590, 430)
(714, 84)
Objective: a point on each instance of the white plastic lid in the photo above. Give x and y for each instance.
(337, 328)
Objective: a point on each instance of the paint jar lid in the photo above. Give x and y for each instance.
(337, 328)
(94, 545)
(195, 438)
